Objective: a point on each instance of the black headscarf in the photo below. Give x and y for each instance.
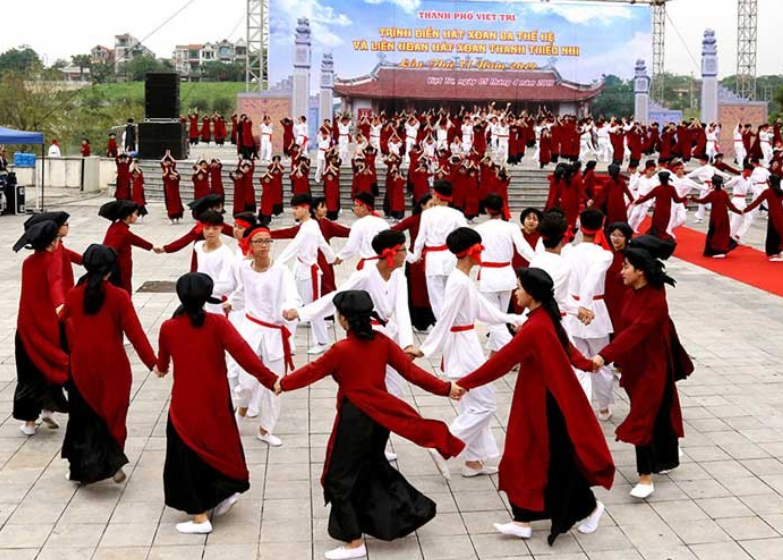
(38, 236)
(194, 289)
(60, 218)
(98, 260)
(539, 285)
(117, 210)
(358, 309)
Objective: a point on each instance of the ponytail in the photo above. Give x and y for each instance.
(194, 311)
(553, 311)
(94, 294)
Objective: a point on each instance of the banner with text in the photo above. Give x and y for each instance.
(582, 40)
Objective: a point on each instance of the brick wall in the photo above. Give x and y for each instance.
(730, 114)
(276, 107)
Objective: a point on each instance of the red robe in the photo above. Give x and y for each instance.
(470, 184)
(571, 199)
(123, 191)
(206, 132)
(111, 149)
(267, 203)
(775, 221)
(611, 200)
(102, 372)
(86, 150)
(216, 180)
(200, 184)
(234, 129)
(137, 189)
(332, 191)
(277, 188)
(719, 239)
(545, 150)
(664, 195)
(544, 368)
(193, 131)
(359, 368)
(193, 236)
(420, 181)
(67, 257)
(684, 142)
(617, 139)
(239, 194)
(120, 238)
(651, 356)
(635, 144)
(417, 281)
(615, 291)
(248, 140)
(480, 139)
(201, 409)
(667, 139)
(288, 136)
(36, 324)
(172, 197)
(220, 130)
(300, 183)
(249, 189)
(395, 189)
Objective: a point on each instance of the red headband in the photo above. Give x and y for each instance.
(199, 228)
(365, 205)
(242, 224)
(598, 234)
(389, 253)
(444, 197)
(473, 251)
(244, 243)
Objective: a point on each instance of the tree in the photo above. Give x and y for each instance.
(19, 60)
(216, 71)
(136, 69)
(102, 73)
(616, 99)
(83, 61)
(223, 105)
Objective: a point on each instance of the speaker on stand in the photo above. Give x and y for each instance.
(162, 129)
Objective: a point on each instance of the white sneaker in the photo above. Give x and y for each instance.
(224, 506)
(718, 256)
(440, 462)
(316, 349)
(605, 416)
(195, 528)
(643, 491)
(469, 472)
(390, 456)
(514, 530)
(776, 259)
(47, 417)
(343, 553)
(270, 440)
(27, 430)
(590, 524)
(119, 477)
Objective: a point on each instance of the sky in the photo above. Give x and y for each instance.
(75, 26)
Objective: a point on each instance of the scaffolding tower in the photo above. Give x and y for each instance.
(257, 63)
(658, 8)
(747, 34)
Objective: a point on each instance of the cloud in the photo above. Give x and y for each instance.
(323, 21)
(583, 14)
(409, 6)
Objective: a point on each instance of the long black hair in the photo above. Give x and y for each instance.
(357, 308)
(99, 261)
(194, 289)
(539, 285)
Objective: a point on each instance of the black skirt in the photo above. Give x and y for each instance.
(33, 392)
(189, 483)
(368, 496)
(663, 451)
(89, 446)
(567, 496)
(710, 251)
(773, 244)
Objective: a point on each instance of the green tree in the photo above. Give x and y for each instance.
(223, 105)
(19, 60)
(216, 71)
(83, 61)
(102, 73)
(136, 69)
(615, 100)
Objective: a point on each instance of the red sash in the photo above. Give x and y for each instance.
(314, 279)
(432, 249)
(360, 264)
(285, 334)
(489, 264)
(462, 328)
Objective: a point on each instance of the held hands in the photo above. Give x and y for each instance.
(158, 250)
(337, 261)
(278, 387)
(585, 316)
(456, 392)
(290, 314)
(227, 307)
(598, 362)
(413, 352)
(159, 374)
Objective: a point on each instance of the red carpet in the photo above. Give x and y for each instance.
(744, 264)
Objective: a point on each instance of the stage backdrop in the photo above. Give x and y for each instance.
(583, 40)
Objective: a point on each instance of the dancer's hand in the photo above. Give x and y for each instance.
(337, 261)
(290, 314)
(585, 316)
(159, 374)
(598, 362)
(227, 307)
(456, 392)
(413, 352)
(278, 388)
(158, 250)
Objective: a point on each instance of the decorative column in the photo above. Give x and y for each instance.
(709, 77)
(327, 88)
(303, 53)
(641, 93)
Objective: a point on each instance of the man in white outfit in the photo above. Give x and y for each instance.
(739, 146)
(266, 139)
(760, 179)
(435, 226)
(704, 175)
(647, 182)
(324, 143)
(305, 246)
(454, 335)
(264, 292)
(300, 134)
(496, 279)
(344, 138)
(363, 231)
(740, 187)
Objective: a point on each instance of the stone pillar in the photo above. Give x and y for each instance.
(327, 88)
(709, 77)
(641, 93)
(303, 53)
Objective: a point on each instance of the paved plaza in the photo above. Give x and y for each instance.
(725, 502)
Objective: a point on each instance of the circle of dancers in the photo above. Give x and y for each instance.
(561, 312)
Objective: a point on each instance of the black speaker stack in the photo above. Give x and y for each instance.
(162, 129)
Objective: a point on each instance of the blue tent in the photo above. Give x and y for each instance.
(9, 136)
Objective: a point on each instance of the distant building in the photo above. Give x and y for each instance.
(127, 47)
(101, 55)
(73, 73)
(188, 59)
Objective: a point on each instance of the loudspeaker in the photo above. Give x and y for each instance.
(161, 96)
(157, 137)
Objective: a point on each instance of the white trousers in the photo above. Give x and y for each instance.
(436, 288)
(259, 400)
(266, 148)
(637, 215)
(319, 170)
(472, 426)
(498, 334)
(701, 211)
(766, 150)
(740, 222)
(604, 150)
(343, 147)
(317, 326)
(602, 383)
(739, 150)
(502, 150)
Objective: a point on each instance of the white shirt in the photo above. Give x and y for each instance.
(559, 269)
(305, 246)
(411, 131)
(646, 184)
(684, 185)
(54, 151)
(390, 299)
(300, 131)
(589, 263)
(501, 239)
(705, 173)
(264, 296)
(361, 236)
(323, 145)
(266, 132)
(740, 186)
(760, 177)
(218, 265)
(435, 226)
(462, 352)
(345, 131)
